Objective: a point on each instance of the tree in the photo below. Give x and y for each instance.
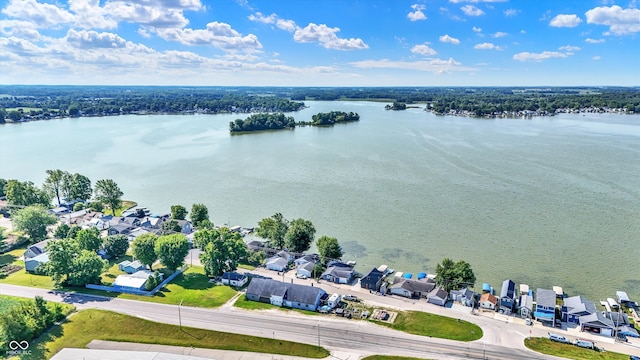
(73, 231)
(171, 226)
(171, 250)
(89, 239)
(144, 249)
(273, 229)
(61, 231)
(33, 220)
(87, 267)
(199, 213)
(108, 192)
(3, 237)
(61, 256)
(178, 212)
(451, 276)
(116, 245)
(222, 250)
(300, 235)
(3, 183)
(329, 249)
(25, 194)
(76, 187)
(53, 183)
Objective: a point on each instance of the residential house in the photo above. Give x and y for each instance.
(305, 269)
(233, 278)
(61, 210)
(285, 294)
(372, 280)
(131, 267)
(545, 305)
(74, 218)
(151, 222)
(256, 245)
(507, 296)
(119, 229)
(621, 321)
(135, 232)
(131, 221)
(135, 281)
(35, 249)
(305, 259)
(597, 323)
(98, 223)
(31, 264)
(285, 255)
(410, 288)
(339, 273)
(576, 306)
(438, 296)
(488, 301)
(276, 263)
(185, 226)
(464, 296)
(525, 308)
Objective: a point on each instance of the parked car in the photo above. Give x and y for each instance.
(528, 321)
(301, 276)
(584, 343)
(633, 357)
(350, 297)
(559, 338)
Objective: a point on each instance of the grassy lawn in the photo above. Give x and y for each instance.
(88, 325)
(390, 357)
(124, 205)
(13, 256)
(246, 267)
(425, 324)
(243, 303)
(569, 351)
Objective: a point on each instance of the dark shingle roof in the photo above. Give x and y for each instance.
(292, 292)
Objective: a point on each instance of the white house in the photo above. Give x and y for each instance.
(488, 301)
(232, 278)
(276, 263)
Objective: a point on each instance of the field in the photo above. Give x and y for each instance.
(569, 351)
(425, 324)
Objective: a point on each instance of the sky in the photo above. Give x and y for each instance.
(320, 42)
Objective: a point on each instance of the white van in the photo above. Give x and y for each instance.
(559, 338)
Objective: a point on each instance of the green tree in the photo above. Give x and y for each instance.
(14, 115)
(3, 237)
(53, 183)
(73, 231)
(89, 239)
(452, 276)
(171, 226)
(25, 194)
(300, 235)
(108, 192)
(76, 187)
(178, 212)
(144, 249)
(329, 249)
(33, 221)
(61, 256)
(87, 267)
(199, 213)
(171, 250)
(222, 250)
(116, 245)
(273, 229)
(61, 231)
(3, 183)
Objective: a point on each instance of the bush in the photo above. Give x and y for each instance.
(151, 283)
(96, 206)
(78, 206)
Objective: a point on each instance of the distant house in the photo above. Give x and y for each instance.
(74, 218)
(507, 296)
(413, 288)
(135, 232)
(31, 264)
(98, 223)
(438, 296)
(305, 259)
(576, 306)
(233, 278)
(35, 249)
(545, 305)
(597, 323)
(256, 245)
(305, 269)
(339, 273)
(135, 281)
(464, 296)
(276, 263)
(185, 226)
(372, 280)
(285, 294)
(488, 301)
(131, 267)
(151, 222)
(61, 210)
(285, 255)
(525, 308)
(119, 229)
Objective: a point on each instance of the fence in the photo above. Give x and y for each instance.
(136, 291)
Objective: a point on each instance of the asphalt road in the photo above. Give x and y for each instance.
(346, 336)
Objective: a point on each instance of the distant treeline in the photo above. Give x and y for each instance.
(267, 121)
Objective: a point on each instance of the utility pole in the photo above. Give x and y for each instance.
(180, 314)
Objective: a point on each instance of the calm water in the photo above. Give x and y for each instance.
(547, 201)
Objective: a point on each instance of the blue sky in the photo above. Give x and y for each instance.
(320, 43)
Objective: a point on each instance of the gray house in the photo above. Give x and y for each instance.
(507, 296)
(284, 294)
(31, 264)
(35, 249)
(463, 296)
(305, 269)
(525, 308)
(576, 306)
(597, 323)
(413, 288)
(130, 267)
(276, 263)
(438, 296)
(339, 273)
(545, 305)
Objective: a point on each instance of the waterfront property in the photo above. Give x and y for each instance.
(575, 307)
(438, 296)
(339, 273)
(525, 307)
(277, 263)
(284, 294)
(488, 301)
(410, 288)
(464, 296)
(507, 296)
(372, 280)
(597, 323)
(545, 306)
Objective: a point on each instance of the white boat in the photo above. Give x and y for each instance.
(612, 303)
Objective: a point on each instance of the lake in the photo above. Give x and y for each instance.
(543, 201)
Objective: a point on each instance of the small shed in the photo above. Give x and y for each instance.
(130, 267)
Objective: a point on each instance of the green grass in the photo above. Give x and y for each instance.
(425, 324)
(390, 357)
(7, 302)
(243, 303)
(13, 257)
(246, 267)
(88, 325)
(124, 205)
(569, 351)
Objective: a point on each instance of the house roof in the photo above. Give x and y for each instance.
(233, 276)
(38, 248)
(291, 292)
(277, 260)
(374, 275)
(526, 301)
(596, 320)
(306, 266)
(42, 258)
(414, 285)
(438, 293)
(628, 330)
(124, 263)
(303, 293)
(622, 296)
(618, 318)
(579, 304)
(464, 292)
(489, 297)
(546, 298)
(120, 227)
(305, 259)
(339, 271)
(508, 289)
(135, 280)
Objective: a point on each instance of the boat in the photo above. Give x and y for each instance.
(612, 303)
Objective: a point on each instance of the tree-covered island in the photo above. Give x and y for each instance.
(330, 118)
(260, 122)
(397, 105)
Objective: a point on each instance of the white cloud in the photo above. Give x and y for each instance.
(477, 29)
(288, 25)
(569, 48)
(448, 39)
(259, 17)
(620, 21)
(84, 39)
(44, 15)
(437, 66)
(417, 14)
(327, 37)
(217, 34)
(511, 12)
(565, 20)
(499, 34)
(283, 24)
(423, 49)
(596, 58)
(487, 46)
(594, 41)
(527, 56)
(471, 10)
